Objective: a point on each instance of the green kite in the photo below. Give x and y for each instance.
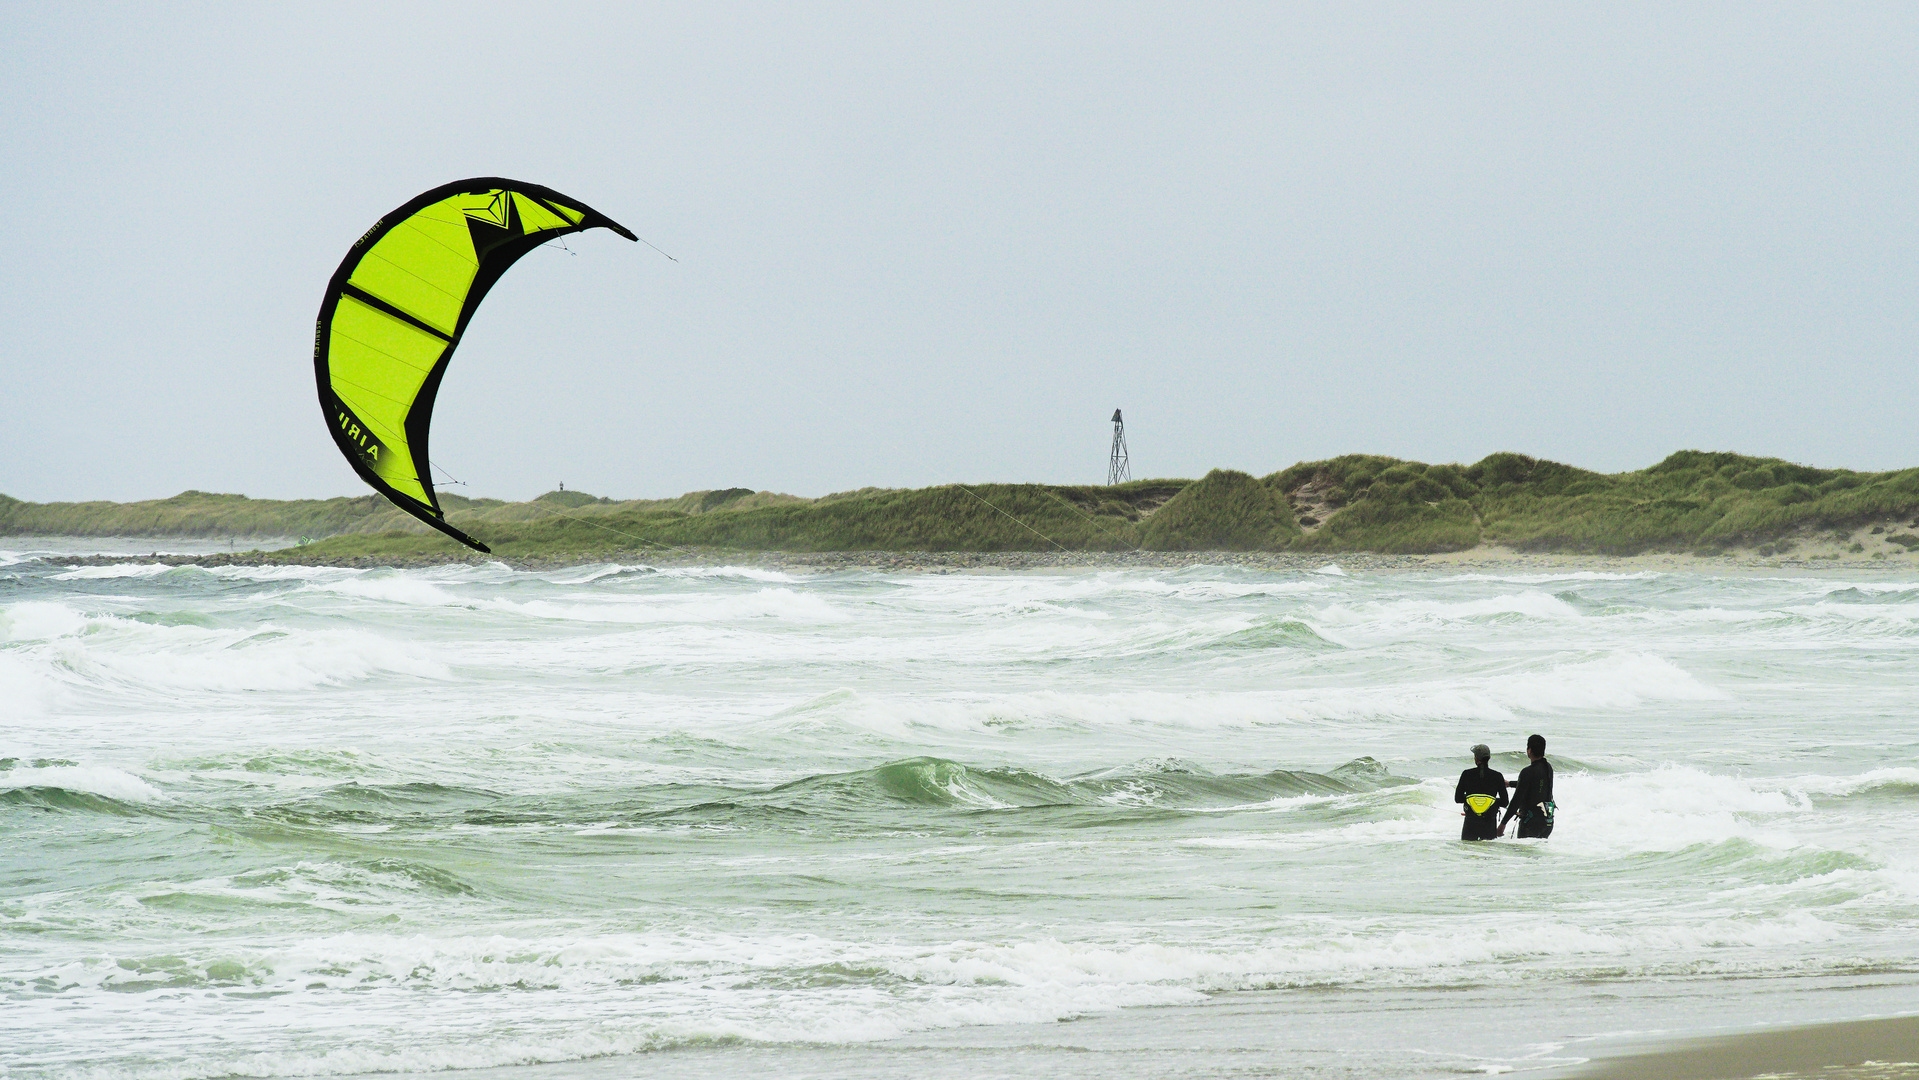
(395, 310)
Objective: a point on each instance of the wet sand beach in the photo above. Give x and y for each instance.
(1267, 1034)
(1885, 1049)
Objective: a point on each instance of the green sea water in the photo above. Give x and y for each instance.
(617, 820)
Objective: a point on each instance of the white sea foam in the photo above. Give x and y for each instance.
(26, 690)
(1620, 682)
(1673, 808)
(92, 779)
(114, 570)
(777, 603)
(742, 573)
(766, 603)
(1015, 594)
(284, 573)
(110, 651)
(567, 835)
(581, 575)
(1902, 776)
(394, 588)
(1400, 616)
(40, 620)
(1223, 589)
(1310, 948)
(1548, 576)
(637, 992)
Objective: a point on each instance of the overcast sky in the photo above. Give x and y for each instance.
(927, 243)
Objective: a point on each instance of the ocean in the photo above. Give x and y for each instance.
(620, 820)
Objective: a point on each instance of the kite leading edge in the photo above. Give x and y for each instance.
(395, 310)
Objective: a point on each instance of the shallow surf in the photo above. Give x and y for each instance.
(312, 821)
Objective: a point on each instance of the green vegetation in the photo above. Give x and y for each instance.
(1372, 503)
(200, 513)
(1692, 501)
(1224, 511)
(980, 517)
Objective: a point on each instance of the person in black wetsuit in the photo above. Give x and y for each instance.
(1483, 791)
(1533, 793)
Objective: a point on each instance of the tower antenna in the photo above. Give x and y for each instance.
(1119, 468)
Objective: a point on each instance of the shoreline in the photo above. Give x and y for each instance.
(1882, 1049)
(1484, 558)
(1278, 1032)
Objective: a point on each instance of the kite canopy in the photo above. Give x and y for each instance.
(395, 310)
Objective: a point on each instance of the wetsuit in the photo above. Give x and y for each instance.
(1481, 781)
(1533, 788)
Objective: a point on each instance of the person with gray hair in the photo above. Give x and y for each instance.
(1483, 791)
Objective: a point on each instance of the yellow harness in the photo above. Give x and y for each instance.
(1479, 804)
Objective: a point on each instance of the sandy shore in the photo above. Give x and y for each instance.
(1486, 559)
(1411, 1035)
(1858, 1050)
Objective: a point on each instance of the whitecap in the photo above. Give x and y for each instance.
(114, 570)
(103, 780)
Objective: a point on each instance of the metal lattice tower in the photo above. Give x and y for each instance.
(1119, 467)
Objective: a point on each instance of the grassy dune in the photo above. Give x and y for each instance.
(1692, 501)
(201, 514)
(978, 517)
(1223, 511)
